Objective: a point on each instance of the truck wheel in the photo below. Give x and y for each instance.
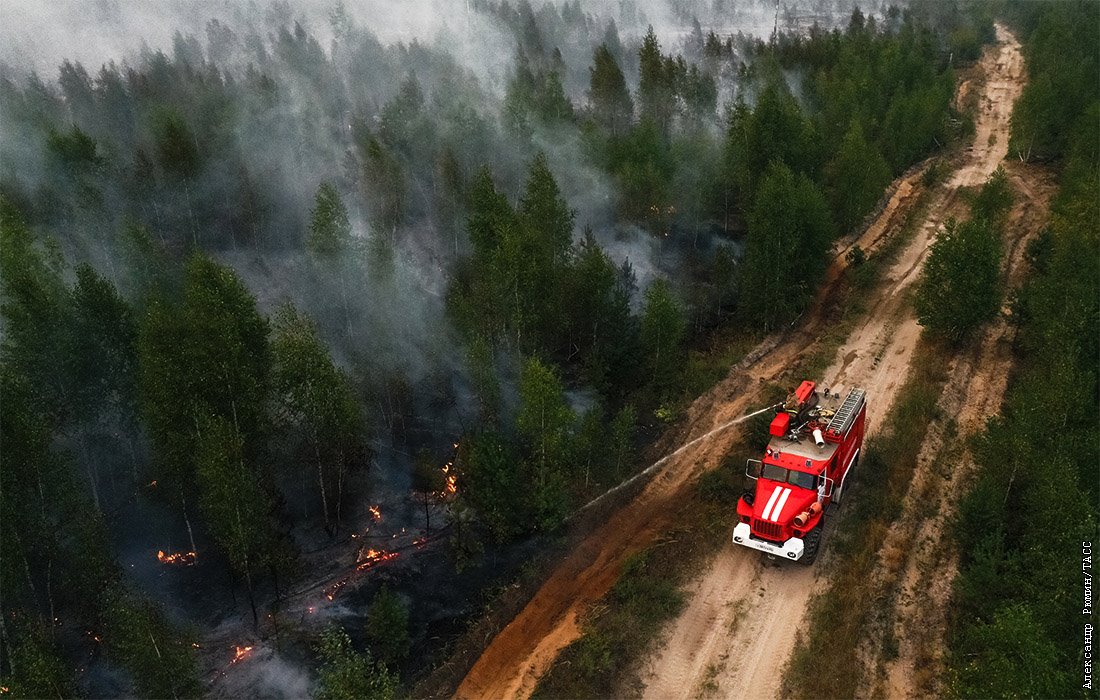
(812, 542)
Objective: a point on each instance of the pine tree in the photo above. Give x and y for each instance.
(857, 177)
(329, 226)
(316, 398)
(545, 421)
(662, 334)
(959, 289)
(789, 233)
(656, 97)
(160, 661)
(608, 95)
(234, 505)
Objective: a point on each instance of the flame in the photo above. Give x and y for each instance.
(152, 484)
(365, 561)
(451, 482)
(240, 653)
(373, 557)
(376, 513)
(195, 645)
(178, 558)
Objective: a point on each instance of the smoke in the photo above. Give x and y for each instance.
(280, 97)
(264, 673)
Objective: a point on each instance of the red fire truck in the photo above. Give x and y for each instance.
(815, 442)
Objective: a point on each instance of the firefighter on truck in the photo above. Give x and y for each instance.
(815, 442)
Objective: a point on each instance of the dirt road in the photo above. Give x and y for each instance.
(918, 561)
(740, 607)
(739, 627)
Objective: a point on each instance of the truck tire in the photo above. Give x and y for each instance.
(812, 542)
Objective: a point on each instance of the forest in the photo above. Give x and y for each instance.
(1017, 627)
(285, 299)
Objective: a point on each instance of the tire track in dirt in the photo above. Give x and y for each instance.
(926, 559)
(875, 356)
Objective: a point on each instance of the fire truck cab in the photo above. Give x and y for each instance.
(815, 443)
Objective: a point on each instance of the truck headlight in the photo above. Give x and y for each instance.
(737, 538)
(790, 554)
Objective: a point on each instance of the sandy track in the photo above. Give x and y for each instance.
(766, 615)
(767, 602)
(925, 562)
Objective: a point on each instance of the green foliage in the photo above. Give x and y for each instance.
(388, 192)
(105, 331)
(512, 284)
(148, 270)
(1017, 631)
(479, 359)
(535, 94)
(656, 93)
(857, 177)
(601, 330)
(316, 399)
(36, 311)
(206, 357)
(1064, 75)
(1010, 656)
(495, 485)
(622, 429)
(545, 211)
(388, 627)
(233, 502)
(608, 95)
(329, 227)
(34, 669)
(74, 149)
(176, 146)
(348, 675)
(774, 132)
(161, 662)
(789, 233)
(662, 334)
(643, 168)
(959, 288)
(545, 422)
(993, 200)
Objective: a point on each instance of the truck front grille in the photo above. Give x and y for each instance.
(773, 531)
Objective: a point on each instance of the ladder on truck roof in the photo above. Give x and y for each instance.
(842, 420)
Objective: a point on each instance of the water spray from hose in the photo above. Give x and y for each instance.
(648, 470)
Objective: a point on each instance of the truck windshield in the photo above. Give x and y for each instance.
(789, 476)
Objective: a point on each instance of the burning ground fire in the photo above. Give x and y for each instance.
(240, 654)
(177, 558)
(369, 560)
(451, 482)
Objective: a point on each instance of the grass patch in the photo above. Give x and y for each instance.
(707, 366)
(825, 662)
